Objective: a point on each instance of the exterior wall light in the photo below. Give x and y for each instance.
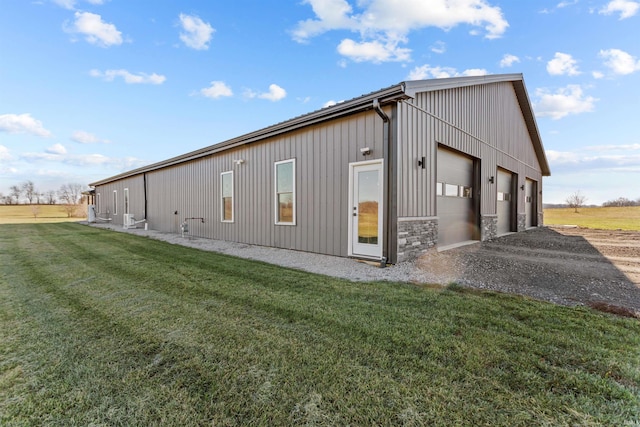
(491, 179)
(365, 151)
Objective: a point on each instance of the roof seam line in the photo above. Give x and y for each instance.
(456, 127)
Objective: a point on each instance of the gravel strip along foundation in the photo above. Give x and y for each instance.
(564, 265)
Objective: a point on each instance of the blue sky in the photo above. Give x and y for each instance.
(92, 88)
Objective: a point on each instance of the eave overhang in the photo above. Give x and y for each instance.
(403, 90)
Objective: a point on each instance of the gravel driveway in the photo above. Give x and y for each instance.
(569, 266)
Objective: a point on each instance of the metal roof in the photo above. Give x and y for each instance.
(402, 90)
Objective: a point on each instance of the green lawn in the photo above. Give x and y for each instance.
(105, 328)
(611, 218)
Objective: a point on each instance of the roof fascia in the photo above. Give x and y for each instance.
(362, 103)
(415, 86)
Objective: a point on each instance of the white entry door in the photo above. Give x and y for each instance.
(365, 209)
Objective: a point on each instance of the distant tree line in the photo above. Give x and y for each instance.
(577, 200)
(622, 202)
(27, 193)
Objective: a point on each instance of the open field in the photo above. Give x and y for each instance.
(36, 214)
(105, 328)
(612, 218)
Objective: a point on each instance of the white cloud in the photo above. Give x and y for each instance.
(276, 93)
(196, 33)
(218, 89)
(619, 61)
(71, 4)
(602, 158)
(597, 74)
(474, 72)
(565, 101)
(626, 8)
(33, 157)
(22, 123)
(67, 4)
(563, 4)
(83, 137)
(563, 64)
(373, 51)
(331, 103)
(56, 149)
(4, 153)
(561, 156)
(130, 78)
(96, 31)
(560, 5)
(428, 72)
(383, 26)
(609, 148)
(439, 47)
(508, 60)
(248, 93)
(332, 14)
(118, 163)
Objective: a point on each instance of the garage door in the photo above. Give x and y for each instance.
(505, 197)
(456, 218)
(531, 203)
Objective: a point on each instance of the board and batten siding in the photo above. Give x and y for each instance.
(136, 199)
(490, 113)
(322, 153)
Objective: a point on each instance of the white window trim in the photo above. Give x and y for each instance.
(126, 201)
(115, 202)
(233, 199)
(275, 187)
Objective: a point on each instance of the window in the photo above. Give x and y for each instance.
(115, 202)
(226, 189)
(452, 190)
(466, 192)
(97, 202)
(285, 182)
(504, 197)
(126, 200)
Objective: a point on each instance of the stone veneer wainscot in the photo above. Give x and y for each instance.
(416, 236)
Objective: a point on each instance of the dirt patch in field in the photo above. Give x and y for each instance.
(570, 266)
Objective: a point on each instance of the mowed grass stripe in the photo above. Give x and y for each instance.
(117, 329)
(81, 340)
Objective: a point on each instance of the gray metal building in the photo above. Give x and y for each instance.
(388, 175)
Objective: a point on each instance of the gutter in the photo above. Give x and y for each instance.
(382, 114)
(386, 229)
